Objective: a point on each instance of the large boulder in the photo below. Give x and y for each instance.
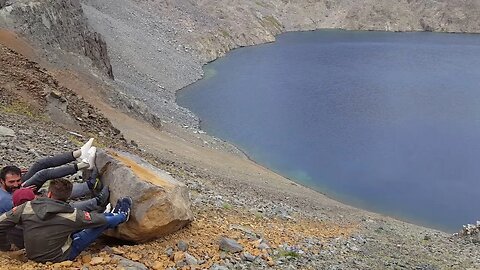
(160, 203)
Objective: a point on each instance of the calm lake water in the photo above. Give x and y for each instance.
(389, 122)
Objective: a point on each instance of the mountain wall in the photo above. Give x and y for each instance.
(58, 27)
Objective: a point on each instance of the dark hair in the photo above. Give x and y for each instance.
(61, 189)
(9, 170)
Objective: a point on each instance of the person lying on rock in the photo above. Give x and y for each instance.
(11, 177)
(54, 231)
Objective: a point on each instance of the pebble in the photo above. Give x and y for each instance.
(182, 245)
(230, 245)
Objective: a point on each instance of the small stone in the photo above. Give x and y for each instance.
(218, 267)
(169, 252)
(190, 259)
(249, 257)
(96, 260)
(6, 132)
(263, 246)
(230, 245)
(182, 245)
(63, 264)
(157, 265)
(107, 250)
(178, 256)
(129, 264)
(117, 251)
(86, 258)
(135, 257)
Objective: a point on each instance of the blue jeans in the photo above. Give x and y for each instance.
(82, 239)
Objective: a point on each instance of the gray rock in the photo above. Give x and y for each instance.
(249, 257)
(190, 260)
(169, 252)
(182, 245)
(230, 245)
(129, 264)
(218, 267)
(263, 246)
(6, 133)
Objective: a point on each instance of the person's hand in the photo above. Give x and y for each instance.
(32, 187)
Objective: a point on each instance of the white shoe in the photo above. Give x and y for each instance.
(90, 159)
(84, 150)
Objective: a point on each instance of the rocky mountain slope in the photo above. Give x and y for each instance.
(155, 48)
(238, 224)
(158, 47)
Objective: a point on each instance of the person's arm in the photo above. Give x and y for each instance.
(9, 220)
(85, 220)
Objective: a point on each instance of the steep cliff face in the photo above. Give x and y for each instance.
(57, 26)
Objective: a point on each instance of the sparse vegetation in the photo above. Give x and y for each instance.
(227, 206)
(22, 108)
(271, 22)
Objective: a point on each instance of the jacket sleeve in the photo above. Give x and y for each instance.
(85, 220)
(9, 220)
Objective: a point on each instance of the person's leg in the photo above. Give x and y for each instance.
(83, 239)
(80, 190)
(42, 176)
(49, 162)
(86, 205)
(15, 236)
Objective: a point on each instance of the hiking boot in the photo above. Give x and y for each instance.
(90, 159)
(126, 207)
(84, 150)
(94, 183)
(117, 206)
(103, 197)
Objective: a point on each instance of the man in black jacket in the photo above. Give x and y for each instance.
(53, 230)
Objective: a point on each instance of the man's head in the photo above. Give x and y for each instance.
(10, 178)
(22, 195)
(60, 189)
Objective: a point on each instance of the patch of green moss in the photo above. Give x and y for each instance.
(270, 21)
(284, 253)
(25, 109)
(227, 206)
(262, 4)
(225, 33)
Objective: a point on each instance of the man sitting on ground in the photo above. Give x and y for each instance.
(54, 231)
(11, 177)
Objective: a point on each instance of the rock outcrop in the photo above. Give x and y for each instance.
(160, 203)
(54, 25)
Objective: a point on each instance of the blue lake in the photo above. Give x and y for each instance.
(389, 122)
